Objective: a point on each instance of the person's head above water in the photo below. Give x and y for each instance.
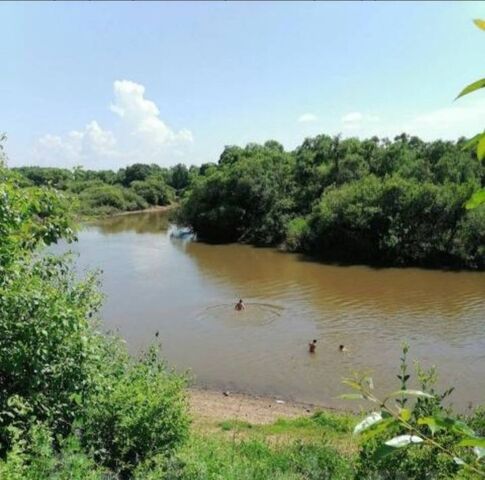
(314, 341)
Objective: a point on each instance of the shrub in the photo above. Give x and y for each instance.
(109, 198)
(58, 371)
(47, 343)
(33, 457)
(137, 412)
(401, 440)
(296, 231)
(154, 190)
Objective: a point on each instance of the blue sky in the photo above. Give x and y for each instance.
(107, 84)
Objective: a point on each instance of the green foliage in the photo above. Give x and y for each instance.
(153, 190)
(422, 440)
(105, 199)
(212, 458)
(138, 411)
(178, 177)
(70, 396)
(376, 201)
(105, 192)
(47, 176)
(478, 141)
(47, 344)
(138, 172)
(472, 87)
(34, 457)
(245, 200)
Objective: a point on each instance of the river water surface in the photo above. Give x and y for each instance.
(186, 291)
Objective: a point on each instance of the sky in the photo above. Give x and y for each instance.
(106, 84)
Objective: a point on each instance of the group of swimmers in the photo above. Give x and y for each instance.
(312, 346)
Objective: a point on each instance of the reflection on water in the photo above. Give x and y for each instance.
(187, 291)
(144, 222)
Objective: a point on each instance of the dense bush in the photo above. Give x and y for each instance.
(55, 177)
(33, 456)
(137, 411)
(392, 220)
(104, 192)
(102, 199)
(153, 190)
(69, 396)
(400, 202)
(248, 199)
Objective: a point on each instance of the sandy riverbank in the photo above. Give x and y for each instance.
(255, 409)
(159, 208)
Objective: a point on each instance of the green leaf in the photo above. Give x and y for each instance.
(403, 440)
(412, 393)
(462, 428)
(472, 442)
(381, 452)
(378, 428)
(351, 396)
(481, 148)
(370, 420)
(351, 383)
(472, 142)
(477, 199)
(479, 23)
(431, 422)
(405, 414)
(472, 87)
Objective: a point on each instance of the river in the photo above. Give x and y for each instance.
(186, 291)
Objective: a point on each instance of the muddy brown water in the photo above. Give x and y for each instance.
(186, 291)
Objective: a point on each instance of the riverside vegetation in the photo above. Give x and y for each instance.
(400, 202)
(75, 405)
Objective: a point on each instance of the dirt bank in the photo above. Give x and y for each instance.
(160, 208)
(216, 405)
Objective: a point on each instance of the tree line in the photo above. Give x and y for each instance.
(379, 201)
(104, 192)
(399, 202)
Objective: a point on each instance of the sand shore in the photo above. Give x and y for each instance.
(255, 409)
(159, 208)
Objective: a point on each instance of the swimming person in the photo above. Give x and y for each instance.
(343, 348)
(312, 346)
(239, 305)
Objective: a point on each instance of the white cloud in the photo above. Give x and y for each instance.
(448, 123)
(356, 120)
(352, 117)
(141, 136)
(143, 116)
(307, 118)
(76, 147)
(456, 120)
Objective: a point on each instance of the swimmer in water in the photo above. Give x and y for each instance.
(312, 346)
(239, 305)
(343, 348)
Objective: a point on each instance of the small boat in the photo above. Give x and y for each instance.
(184, 233)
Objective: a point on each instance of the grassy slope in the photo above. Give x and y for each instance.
(316, 447)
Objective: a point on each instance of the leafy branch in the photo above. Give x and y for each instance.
(478, 141)
(391, 415)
